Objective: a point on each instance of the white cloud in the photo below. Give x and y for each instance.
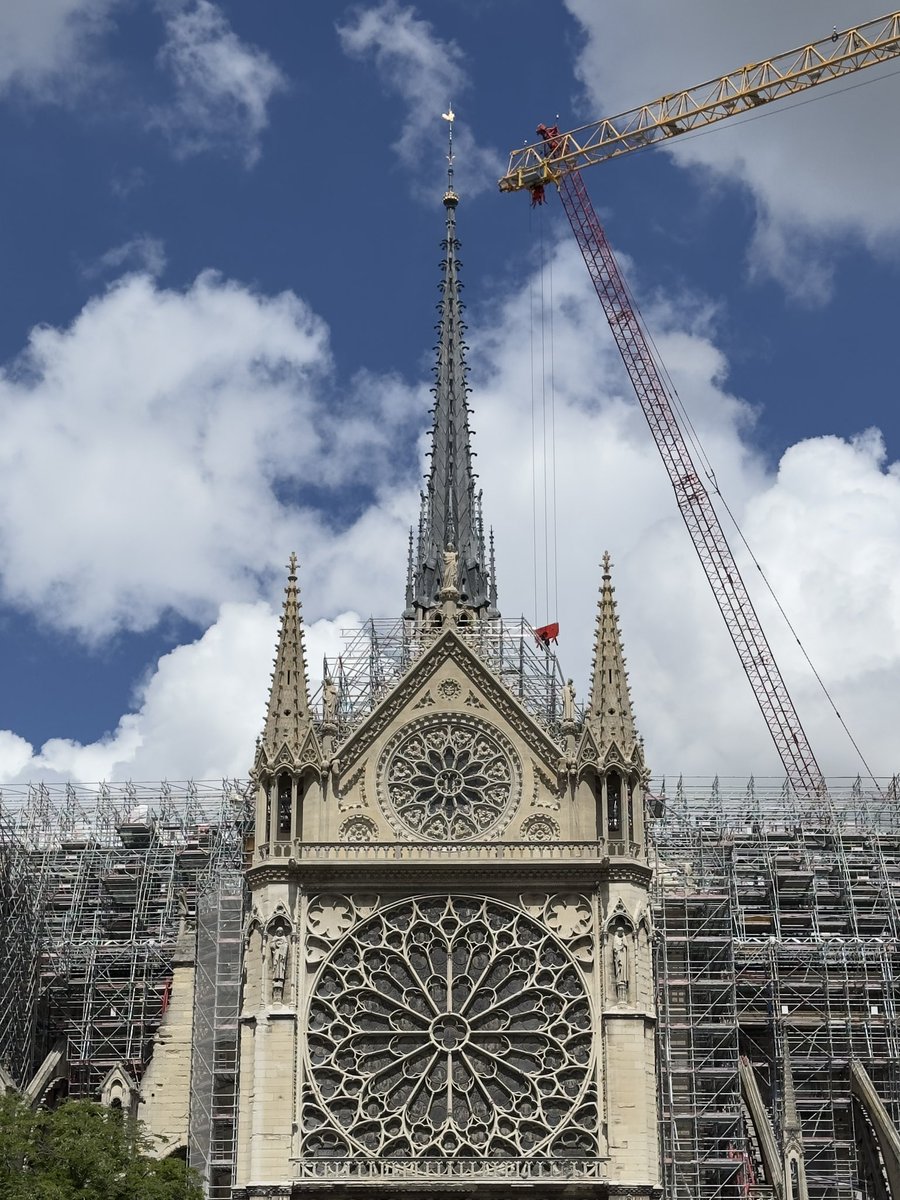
(151, 451)
(216, 407)
(817, 171)
(196, 716)
(223, 86)
(141, 253)
(47, 47)
(428, 73)
(826, 528)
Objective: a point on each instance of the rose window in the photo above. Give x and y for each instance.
(450, 1026)
(449, 781)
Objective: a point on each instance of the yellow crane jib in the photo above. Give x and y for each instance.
(838, 54)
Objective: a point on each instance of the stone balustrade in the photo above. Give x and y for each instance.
(445, 851)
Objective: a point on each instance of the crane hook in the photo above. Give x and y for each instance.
(834, 34)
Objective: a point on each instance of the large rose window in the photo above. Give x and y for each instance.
(449, 781)
(450, 1026)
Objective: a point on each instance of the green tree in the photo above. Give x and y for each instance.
(83, 1151)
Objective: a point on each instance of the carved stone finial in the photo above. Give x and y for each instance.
(288, 716)
(610, 712)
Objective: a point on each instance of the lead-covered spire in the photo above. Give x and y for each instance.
(451, 517)
(610, 714)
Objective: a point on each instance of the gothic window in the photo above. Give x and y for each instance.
(614, 802)
(630, 789)
(450, 1027)
(267, 828)
(283, 828)
(449, 780)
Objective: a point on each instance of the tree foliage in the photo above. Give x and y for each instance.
(83, 1150)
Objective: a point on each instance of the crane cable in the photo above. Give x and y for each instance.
(534, 525)
(549, 454)
(553, 446)
(694, 438)
(543, 491)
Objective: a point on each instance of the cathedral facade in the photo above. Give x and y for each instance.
(447, 975)
(448, 940)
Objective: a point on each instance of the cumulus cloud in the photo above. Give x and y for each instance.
(166, 450)
(47, 47)
(428, 73)
(803, 165)
(223, 86)
(824, 526)
(195, 716)
(825, 522)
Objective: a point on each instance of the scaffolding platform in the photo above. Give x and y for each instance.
(95, 884)
(778, 942)
(377, 653)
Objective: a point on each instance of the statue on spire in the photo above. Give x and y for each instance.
(450, 117)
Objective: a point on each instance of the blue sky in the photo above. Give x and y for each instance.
(220, 238)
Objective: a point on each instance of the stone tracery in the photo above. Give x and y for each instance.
(449, 780)
(450, 1026)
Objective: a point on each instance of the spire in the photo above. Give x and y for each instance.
(451, 510)
(288, 718)
(791, 1121)
(610, 713)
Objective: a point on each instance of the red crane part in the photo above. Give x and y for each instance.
(693, 499)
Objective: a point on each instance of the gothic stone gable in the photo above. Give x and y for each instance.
(449, 755)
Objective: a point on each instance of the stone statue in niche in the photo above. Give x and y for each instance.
(329, 701)
(450, 571)
(278, 951)
(568, 701)
(620, 962)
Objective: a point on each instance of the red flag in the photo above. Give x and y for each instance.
(547, 634)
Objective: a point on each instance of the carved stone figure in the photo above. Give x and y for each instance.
(450, 574)
(568, 701)
(620, 963)
(330, 697)
(278, 951)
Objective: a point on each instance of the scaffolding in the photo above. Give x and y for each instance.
(778, 942)
(778, 939)
(377, 653)
(114, 869)
(21, 913)
(217, 1002)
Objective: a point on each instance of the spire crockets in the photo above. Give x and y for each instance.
(611, 715)
(451, 510)
(288, 718)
